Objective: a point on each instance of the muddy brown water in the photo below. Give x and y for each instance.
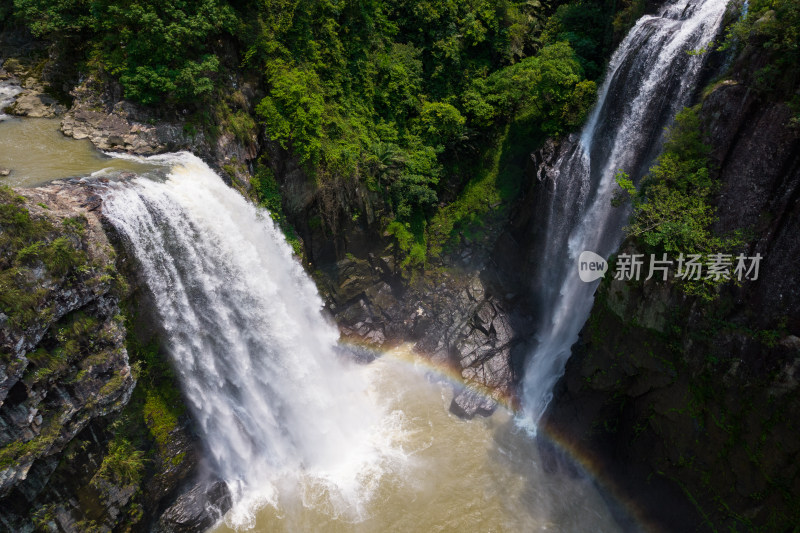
(36, 152)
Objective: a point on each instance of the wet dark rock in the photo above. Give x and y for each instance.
(759, 192)
(673, 396)
(57, 427)
(461, 318)
(44, 404)
(469, 403)
(196, 509)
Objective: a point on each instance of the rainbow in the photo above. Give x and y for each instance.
(588, 464)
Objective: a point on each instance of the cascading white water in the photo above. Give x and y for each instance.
(650, 77)
(279, 409)
(8, 91)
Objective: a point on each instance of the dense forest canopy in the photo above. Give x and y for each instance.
(431, 105)
(404, 97)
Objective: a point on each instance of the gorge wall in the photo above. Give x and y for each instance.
(94, 432)
(467, 317)
(696, 403)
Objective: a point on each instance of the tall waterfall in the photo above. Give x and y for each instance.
(279, 408)
(650, 77)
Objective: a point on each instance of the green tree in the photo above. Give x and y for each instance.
(292, 112)
(673, 209)
(550, 83)
(772, 26)
(440, 124)
(159, 50)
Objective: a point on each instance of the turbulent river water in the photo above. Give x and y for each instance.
(453, 475)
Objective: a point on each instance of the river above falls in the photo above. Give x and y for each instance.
(35, 151)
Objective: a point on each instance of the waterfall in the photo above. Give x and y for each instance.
(278, 406)
(650, 77)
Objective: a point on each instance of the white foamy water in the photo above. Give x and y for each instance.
(481, 475)
(280, 411)
(8, 91)
(650, 78)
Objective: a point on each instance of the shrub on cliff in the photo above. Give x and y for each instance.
(773, 26)
(32, 247)
(673, 210)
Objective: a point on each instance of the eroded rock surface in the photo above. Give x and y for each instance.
(465, 318)
(64, 361)
(196, 509)
(118, 125)
(33, 99)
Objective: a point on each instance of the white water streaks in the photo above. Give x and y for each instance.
(279, 409)
(650, 77)
(8, 91)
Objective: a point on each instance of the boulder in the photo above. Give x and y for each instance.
(196, 509)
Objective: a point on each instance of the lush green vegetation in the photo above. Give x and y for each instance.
(268, 195)
(398, 96)
(122, 465)
(592, 29)
(156, 406)
(157, 49)
(28, 242)
(18, 450)
(673, 209)
(773, 28)
(414, 101)
(142, 435)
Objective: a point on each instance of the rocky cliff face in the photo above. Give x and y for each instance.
(703, 396)
(64, 361)
(466, 318)
(82, 445)
(467, 312)
(694, 405)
